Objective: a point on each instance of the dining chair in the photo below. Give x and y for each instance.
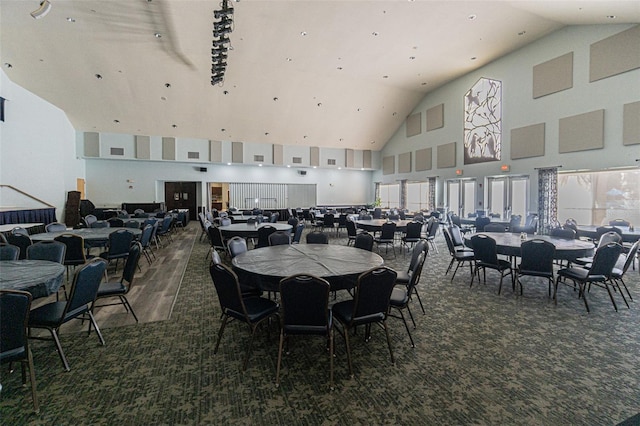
(412, 234)
(486, 257)
(599, 273)
(401, 296)
(387, 236)
(617, 274)
(215, 240)
(461, 256)
(370, 305)
(495, 227)
(53, 251)
(99, 224)
(253, 311)
(236, 245)
(122, 287)
(9, 251)
(328, 221)
(55, 227)
(304, 303)
(20, 240)
(536, 260)
(164, 229)
(317, 237)
(279, 238)
(145, 242)
(14, 345)
(432, 229)
(116, 222)
(364, 241)
(352, 232)
(134, 224)
(82, 295)
(118, 246)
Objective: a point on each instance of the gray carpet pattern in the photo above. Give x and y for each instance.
(480, 358)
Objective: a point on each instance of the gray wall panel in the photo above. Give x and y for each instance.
(527, 141)
(414, 124)
(91, 144)
(435, 117)
(424, 160)
(615, 55)
(553, 76)
(631, 124)
(582, 132)
(446, 155)
(168, 148)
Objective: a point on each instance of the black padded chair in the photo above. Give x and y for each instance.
(304, 300)
(328, 221)
(145, 242)
(456, 238)
(619, 222)
(122, 287)
(74, 254)
(401, 296)
(14, 344)
(461, 256)
(599, 273)
(252, 310)
(100, 224)
(116, 222)
(412, 234)
(387, 236)
(486, 256)
(617, 274)
(432, 229)
(352, 232)
(53, 251)
(263, 235)
(20, 240)
(364, 241)
(536, 261)
(164, 229)
(118, 246)
(370, 305)
(82, 295)
(342, 223)
(9, 251)
(566, 233)
(133, 224)
(215, 240)
(481, 222)
(279, 238)
(55, 227)
(317, 237)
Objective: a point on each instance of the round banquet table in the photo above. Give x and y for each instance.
(268, 265)
(245, 230)
(39, 277)
(508, 243)
(628, 235)
(93, 237)
(375, 225)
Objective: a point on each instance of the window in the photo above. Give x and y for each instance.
(417, 196)
(595, 198)
(389, 196)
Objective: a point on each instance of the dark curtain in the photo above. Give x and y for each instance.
(547, 199)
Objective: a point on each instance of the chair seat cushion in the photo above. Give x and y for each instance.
(259, 308)
(16, 354)
(580, 274)
(403, 277)
(399, 297)
(464, 255)
(113, 288)
(343, 311)
(106, 256)
(536, 273)
(48, 315)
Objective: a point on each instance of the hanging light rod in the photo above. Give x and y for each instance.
(42, 11)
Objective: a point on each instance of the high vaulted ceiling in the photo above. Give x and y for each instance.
(312, 73)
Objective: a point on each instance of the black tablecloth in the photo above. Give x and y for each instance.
(39, 277)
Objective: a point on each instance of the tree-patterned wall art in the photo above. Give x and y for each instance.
(483, 122)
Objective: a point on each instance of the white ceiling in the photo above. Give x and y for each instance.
(349, 82)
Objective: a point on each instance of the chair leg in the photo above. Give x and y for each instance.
(611, 296)
(406, 326)
(128, 306)
(279, 358)
(415, 291)
(250, 347)
(331, 349)
(346, 342)
(221, 331)
(63, 358)
(95, 325)
(32, 377)
(386, 331)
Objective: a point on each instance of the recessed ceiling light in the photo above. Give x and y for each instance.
(8, 65)
(521, 33)
(319, 104)
(424, 83)
(304, 137)
(473, 58)
(174, 126)
(375, 33)
(163, 98)
(471, 17)
(167, 85)
(222, 130)
(289, 59)
(339, 68)
(266, 133)
(157, 35)
(116, 121)
(412, 57)
(611, 16)
(394, 114)
(303, 33)
(275, 99)
(98, 76)
(70, 19)
(385, 76)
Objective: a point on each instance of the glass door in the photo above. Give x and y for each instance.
(508, 195)
(461, 196)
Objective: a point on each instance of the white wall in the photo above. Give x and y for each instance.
(520, 109)
(37, 148)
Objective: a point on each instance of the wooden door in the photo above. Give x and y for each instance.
(181, 195)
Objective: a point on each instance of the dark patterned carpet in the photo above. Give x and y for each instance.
(480, 359)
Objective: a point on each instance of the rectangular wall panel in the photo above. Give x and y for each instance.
(423, 159)
(237, 152)
(168, 148)
(366, 159)
(314, 156)
(91, 144)
(615, 55)
(581, 132)
(389, 165)
(435, 117)
(553, 76)
(348, 157)
(527, 141)
(446, 155)
(631, 124)
(143, 147)
(278, 155)
(414, 124)
(404, 162)
(215, 151)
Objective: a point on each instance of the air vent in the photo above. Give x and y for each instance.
(331, 162)
(297, 160)
(258, 158)
(193, 155)
(117, 151)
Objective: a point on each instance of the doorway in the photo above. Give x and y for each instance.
(181, 195)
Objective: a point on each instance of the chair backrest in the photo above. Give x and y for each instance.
(53, 251)
(352, 231)
(449, 241)
(601, 230)
(416, 271)
(279, 238)
(609, 237)
(99, 224)
(89, 219)
(484, 249)
(432, 227)
(225, 221)
(631, 257)
(215, 257)
(566, 233)
(74, 253)
(120, 241)
(403, 215)
(605, 259)
(388, 231)
(84, 287)
(317, 237)
(215, 237)
(305, 304)
(134, 224)
(364, 241)
(145, 238)
(116, 222)
(495, 227)
(342, 220)
(515, 220)
(619, 222)
(228, 289)
(414, 229)
(14, 319)
(273, 218)
(298, 233)
(421, 246)
(166, 224)
(455, 220)
(377, 213)
(481, 222)
(22, 241)
(373, 293)
(263, 235)
(3, 239)
(131, 263)
(9, 251)
(537, 256)
(237, 245)
(55, 227)
(328, 220)
(293, 221)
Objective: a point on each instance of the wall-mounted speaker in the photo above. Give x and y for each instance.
(203, 169)
(302, 172)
